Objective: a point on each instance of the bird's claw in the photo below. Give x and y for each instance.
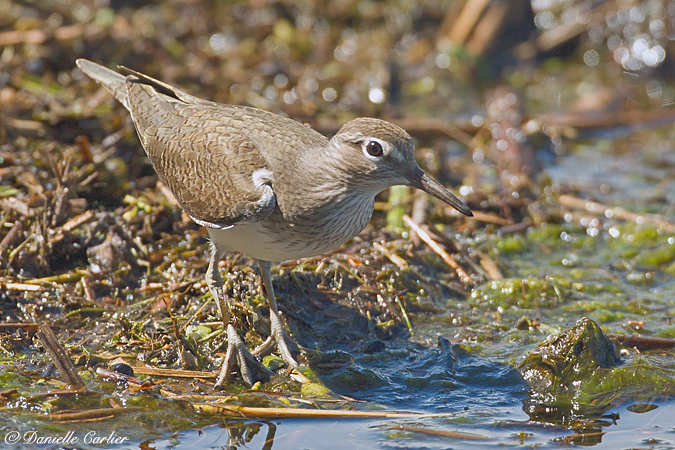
(250, 368)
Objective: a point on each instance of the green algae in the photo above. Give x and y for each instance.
(521, 293)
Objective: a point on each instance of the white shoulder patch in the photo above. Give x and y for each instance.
(262, 176)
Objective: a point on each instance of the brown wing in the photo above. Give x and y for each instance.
(202, 154)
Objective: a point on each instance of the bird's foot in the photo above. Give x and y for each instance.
(279, 335)
(283, 344)
(237, 355)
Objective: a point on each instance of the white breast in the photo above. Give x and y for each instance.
(275, 239)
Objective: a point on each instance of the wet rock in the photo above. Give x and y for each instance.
(571, 356)
(561, 371)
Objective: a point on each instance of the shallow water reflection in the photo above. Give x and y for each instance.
(472, 402)
(499, 426)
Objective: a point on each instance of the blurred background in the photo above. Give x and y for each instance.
(551, 119)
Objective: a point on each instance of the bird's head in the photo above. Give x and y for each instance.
(376, 154)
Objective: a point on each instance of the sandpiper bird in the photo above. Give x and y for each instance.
(262, 184)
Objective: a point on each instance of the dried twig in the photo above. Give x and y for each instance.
(645, 343)
(163, 188)
(289, 413)
(16, 325)
(604, 119)
(76, 221)
(614, 212)
(298, 376)
(64, 33)
(580, 437)
(490, 266)
(20, 287)
(62, 393)
(88, 289)
(444, 433)
(71, 224)
(9, 239)
(393, 257)
(466, 279)
(405, 315)
(490, 218)
(59, 357)
(117, 376)
(68, 277)
(465, 22)
(574, 27)
(93, 414)
(175, 373)
(419, 213)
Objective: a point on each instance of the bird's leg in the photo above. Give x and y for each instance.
(276, 328)
(237, 353)
(215, 283)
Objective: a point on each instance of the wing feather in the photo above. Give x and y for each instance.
(206, 161)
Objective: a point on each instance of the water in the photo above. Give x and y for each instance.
(502, 426)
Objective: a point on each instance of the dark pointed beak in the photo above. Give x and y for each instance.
(424, 182)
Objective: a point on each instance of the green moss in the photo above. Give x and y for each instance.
(519, 292)
(512, 244)
(656, 257)
(606, 315)
(314, 390)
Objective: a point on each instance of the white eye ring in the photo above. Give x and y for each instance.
(374, 149)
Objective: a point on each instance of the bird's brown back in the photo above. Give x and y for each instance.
(207, 153)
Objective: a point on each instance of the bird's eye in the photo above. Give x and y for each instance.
(374, 148)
